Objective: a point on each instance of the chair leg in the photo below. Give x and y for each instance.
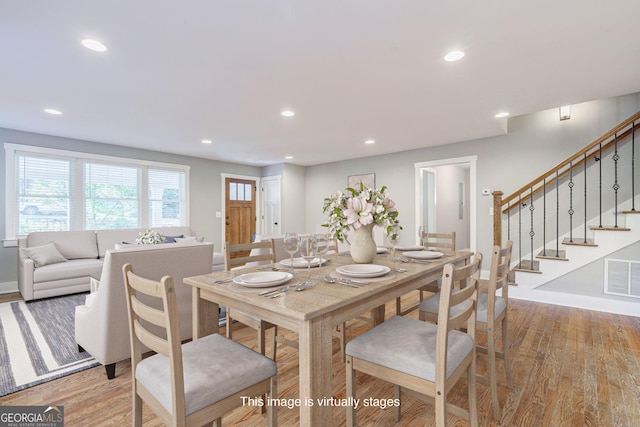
(229, 323)
(351, 391)
(505, 352)
(218, 422)
(441, 408)
(341, 329)
(472, 392)
(272, 410)
(493, 375)
(398, 306)
(396, 392)
(273, 343)
(136, 414)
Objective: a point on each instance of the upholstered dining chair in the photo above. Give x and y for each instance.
(235, 257)
(492, 316)
(439, 242)
(190, 384)
(421, 358)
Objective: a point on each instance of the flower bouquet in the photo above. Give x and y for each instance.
(149, 238)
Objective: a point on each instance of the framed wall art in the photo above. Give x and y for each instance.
(368, 179)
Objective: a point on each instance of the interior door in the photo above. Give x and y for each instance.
(271, 221)
(240, 210)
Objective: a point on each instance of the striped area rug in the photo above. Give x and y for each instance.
(37, 342)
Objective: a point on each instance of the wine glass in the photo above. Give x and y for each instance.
(291, 243)
(422, 234)
(323, 245)
(393, 238)
(308, 251)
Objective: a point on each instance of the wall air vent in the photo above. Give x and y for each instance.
(622, 277)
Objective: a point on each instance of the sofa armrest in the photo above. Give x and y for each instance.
(26, 267)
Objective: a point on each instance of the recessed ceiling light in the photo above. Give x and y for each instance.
(94, 45)
(287, 113)
(207, 141)
(53, 111)
(369, 141)
(288, 157)
(501, 115)
(455, 55)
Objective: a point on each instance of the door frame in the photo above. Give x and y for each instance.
(223, 203)
(473, 201)
(278, 179)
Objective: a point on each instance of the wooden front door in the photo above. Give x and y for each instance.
(240, 212)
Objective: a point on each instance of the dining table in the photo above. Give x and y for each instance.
(314, 312)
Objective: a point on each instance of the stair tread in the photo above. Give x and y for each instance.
(526, 267)
(553, 255)
(610, 228)
(579, 241)
(631, 212)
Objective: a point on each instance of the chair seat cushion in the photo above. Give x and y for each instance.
(432, 304)
(409, 346)
(215, 367)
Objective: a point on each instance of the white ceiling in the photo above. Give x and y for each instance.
(179, 72)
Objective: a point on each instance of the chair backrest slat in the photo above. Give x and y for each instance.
(439, 241)
(231, 249)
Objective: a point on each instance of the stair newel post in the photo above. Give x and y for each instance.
(544, 216)
(585, 198)
(531, 232)
(633, 166)
(557, 214)
(520, 230)
(571, 211)
(599, 160)
(615, 187)
(497, 217)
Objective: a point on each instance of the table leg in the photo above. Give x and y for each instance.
(205, 315)
(315, 373)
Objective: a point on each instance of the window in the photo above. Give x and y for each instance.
(50, 190)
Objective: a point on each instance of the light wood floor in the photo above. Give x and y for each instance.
(571, 368)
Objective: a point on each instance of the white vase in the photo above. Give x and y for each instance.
(363, 247)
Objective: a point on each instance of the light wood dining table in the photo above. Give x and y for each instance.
(313, 313)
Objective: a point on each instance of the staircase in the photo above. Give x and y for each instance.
(575, 214)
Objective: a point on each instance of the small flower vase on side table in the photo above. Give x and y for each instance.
(363, 247)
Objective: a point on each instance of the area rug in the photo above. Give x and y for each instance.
(37, 342)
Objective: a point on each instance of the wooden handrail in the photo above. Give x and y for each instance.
(564, 173)
(575, 156)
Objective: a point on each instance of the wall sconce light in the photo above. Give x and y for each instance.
(565, 112)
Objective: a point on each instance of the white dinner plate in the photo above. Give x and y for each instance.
(409, 248)
(423, 254)
(262, 279)
(301, 263)
(381, 250)
(363, 270)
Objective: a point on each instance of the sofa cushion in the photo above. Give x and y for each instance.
(189, 239)
(71, 244)
(172, 239)
(68, 270)
(44, 255)
(107, 239)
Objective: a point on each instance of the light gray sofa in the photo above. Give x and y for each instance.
(40, 275)
(101, 324)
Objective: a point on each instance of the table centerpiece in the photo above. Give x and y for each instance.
(361, 209)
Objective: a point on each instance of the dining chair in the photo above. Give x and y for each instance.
(236, 256)
(424, 359)
(190, 384)
(438, 242)
(492, 315)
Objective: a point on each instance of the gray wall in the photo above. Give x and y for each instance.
(535, 143)
(205, 185)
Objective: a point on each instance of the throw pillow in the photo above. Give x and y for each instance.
(172, 239)
(44, 255)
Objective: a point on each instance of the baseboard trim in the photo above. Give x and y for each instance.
(8, 287)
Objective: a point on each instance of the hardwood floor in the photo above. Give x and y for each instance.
(571, 367)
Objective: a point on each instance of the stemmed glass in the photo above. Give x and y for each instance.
(308, 251)
(323, 245)
(422, 234)
(393, 239)
(291, 243)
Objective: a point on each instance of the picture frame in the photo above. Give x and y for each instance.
(368, 179)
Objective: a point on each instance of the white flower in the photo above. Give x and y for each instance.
(149, 238)
(361, 207)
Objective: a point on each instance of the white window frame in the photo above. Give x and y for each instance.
(79, 157)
